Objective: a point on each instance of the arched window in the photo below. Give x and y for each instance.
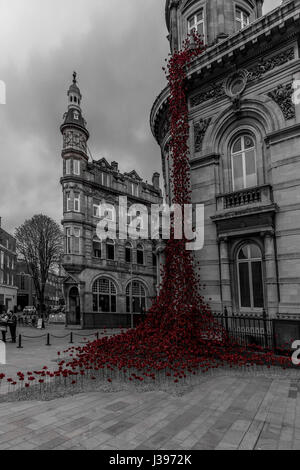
(104, 296)
(135, 297)
(250, 277)
(96, 247)
(243, 160)
(140, 254)
(128, 253)
(110, 249)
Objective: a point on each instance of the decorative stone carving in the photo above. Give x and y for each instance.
(282, 95)
(266, 64)
(200, 129)
(213, 92)
(256, 72)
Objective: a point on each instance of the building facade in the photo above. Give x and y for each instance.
(8, 256)
(106, 278)
(27, 293)
(244, 150)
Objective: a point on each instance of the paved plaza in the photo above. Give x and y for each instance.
(223, 412)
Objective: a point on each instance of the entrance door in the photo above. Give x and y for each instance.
(74, 306)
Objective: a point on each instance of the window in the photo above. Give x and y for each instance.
(1, 259)
(243, 157)
(134, 189)
(68, 166)
(76, 113)
(76, 167)
(96, 247)
(110, 250)
(196, 22)
(250, 279)
(96, 210)
(128, 253)
(154, 259)
(104, 296)
(76, 247)
(242, 19)
(68, 196)
(140, 254)
(76, 202)
(135, 297)
(73, 240)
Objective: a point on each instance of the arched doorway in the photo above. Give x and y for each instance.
(74, 306)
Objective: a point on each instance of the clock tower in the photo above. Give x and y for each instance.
(74, 131)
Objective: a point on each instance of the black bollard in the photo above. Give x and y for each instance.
(97, 335)
(20, 342)
(71, 338)
(48, 340)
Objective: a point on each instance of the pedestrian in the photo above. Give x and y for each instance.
(12, 323)
(3, 326)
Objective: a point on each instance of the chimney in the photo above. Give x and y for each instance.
(155, 180)
(115, 166)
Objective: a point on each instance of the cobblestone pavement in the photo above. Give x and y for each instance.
(223, 412)
(35, 354)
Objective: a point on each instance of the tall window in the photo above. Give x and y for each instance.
(110, 250)
(135, 297)
(104, 296)
(196, 22)
(242, 19)
(128, 253)
(68, 241)
(68, 197)
(249, 266)
(96, 247)
(243, 157)
(76, 202)
(134, 189)
(76, 243)
(68, 166)
(140, 254)
(76, 167)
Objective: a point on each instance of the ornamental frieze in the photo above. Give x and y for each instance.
(263, 66)
(200, 129)
(282, 95)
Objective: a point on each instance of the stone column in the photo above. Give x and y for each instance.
(296, 79)
(271, 281)
(225, 274)
(173, 25)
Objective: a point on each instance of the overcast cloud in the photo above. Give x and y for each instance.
(118, 49)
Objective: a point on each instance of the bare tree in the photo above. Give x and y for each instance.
(40, 243)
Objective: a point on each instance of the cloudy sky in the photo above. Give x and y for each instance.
(118, 49)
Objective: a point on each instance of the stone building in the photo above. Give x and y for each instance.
(26, 290)
(8, 288)
(107, 280)
(244, 150)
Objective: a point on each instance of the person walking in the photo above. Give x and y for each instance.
(3, 326)
(12, 323)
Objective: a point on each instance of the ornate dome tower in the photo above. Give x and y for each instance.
(214, 19)
(73, 129)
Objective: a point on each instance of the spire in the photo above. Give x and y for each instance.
(73, 116)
